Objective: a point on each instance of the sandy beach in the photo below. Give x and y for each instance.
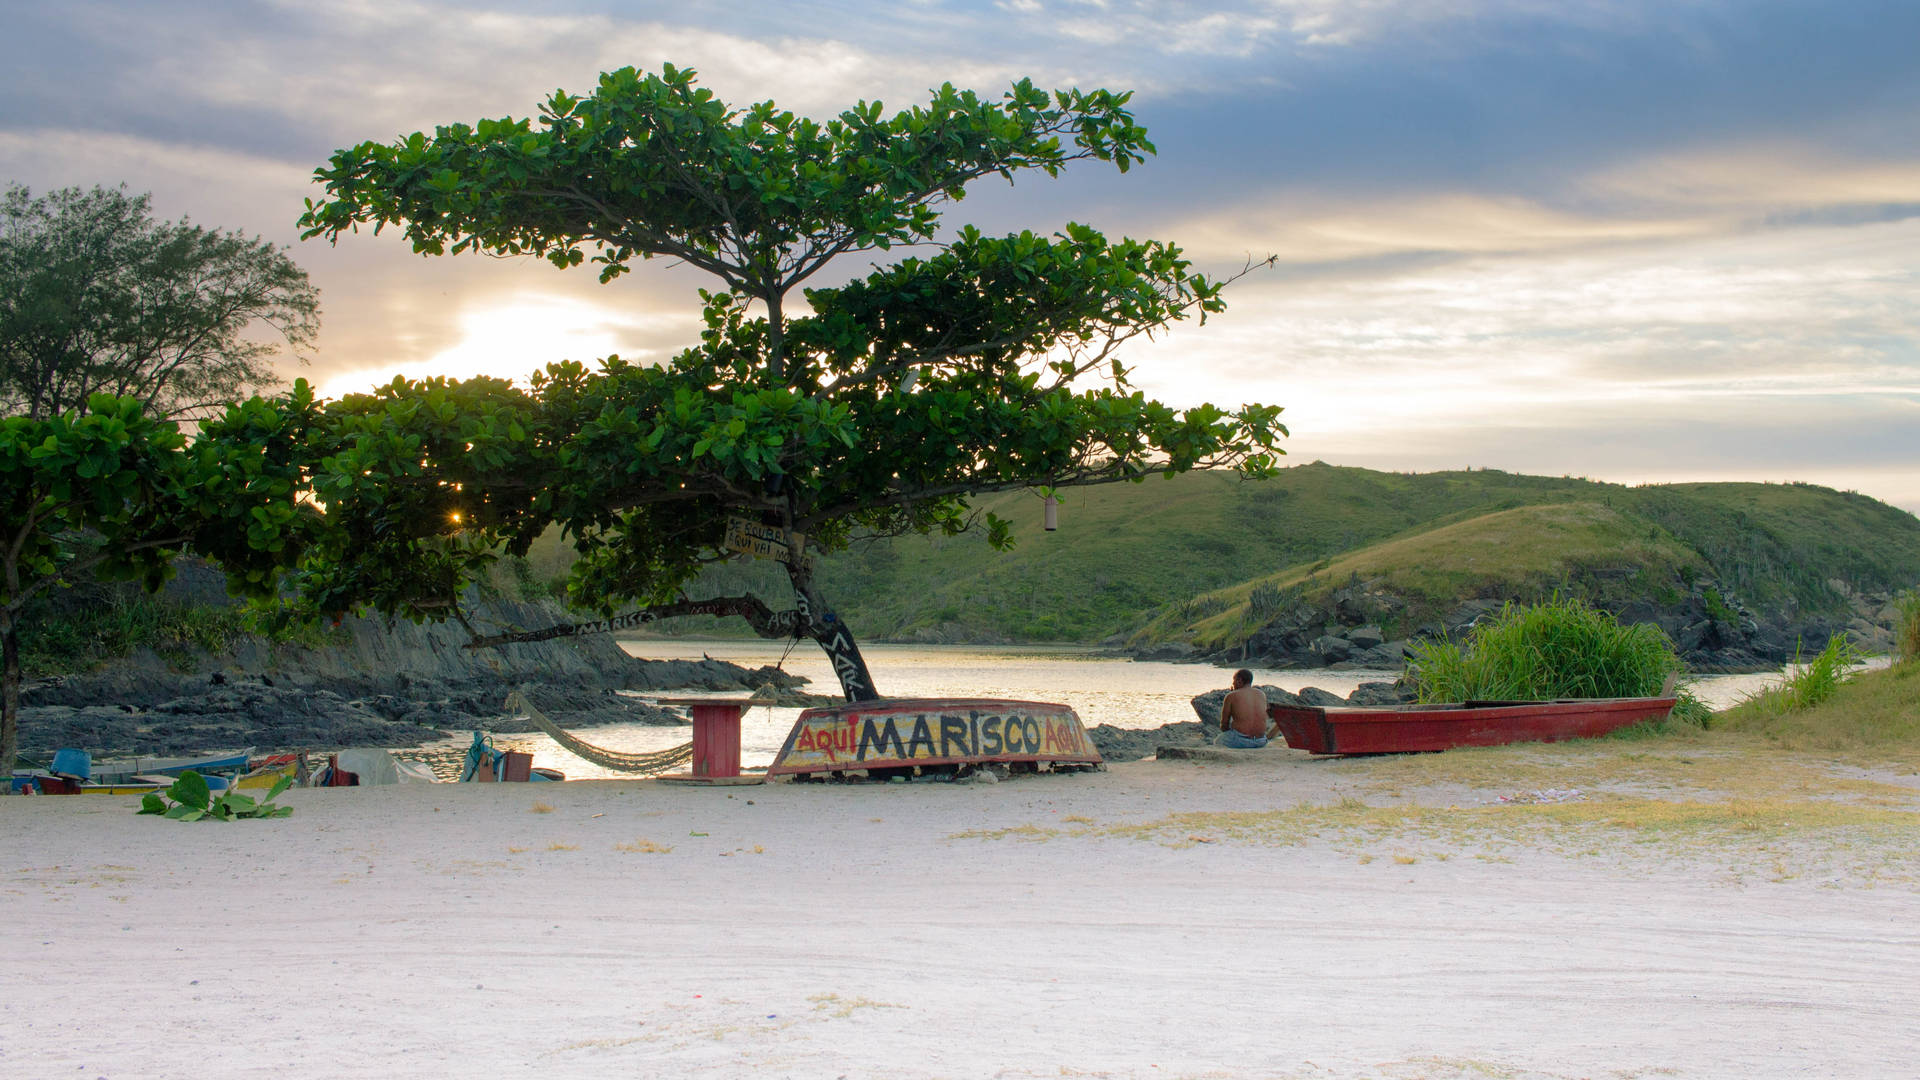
(1273, 917)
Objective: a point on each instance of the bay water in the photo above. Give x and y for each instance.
(1102, 689)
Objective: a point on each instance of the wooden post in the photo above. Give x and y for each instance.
(716, 738)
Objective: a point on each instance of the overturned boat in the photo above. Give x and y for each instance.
(931, 733)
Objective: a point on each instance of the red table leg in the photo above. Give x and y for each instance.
(716, 739)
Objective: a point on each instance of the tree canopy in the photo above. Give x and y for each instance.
(113, 493)
(977, 364)
(96, 297)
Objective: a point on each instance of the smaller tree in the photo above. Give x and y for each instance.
(96, 297)
(115, 494)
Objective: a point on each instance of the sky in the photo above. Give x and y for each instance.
(1633, 240)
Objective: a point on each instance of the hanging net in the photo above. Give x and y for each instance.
(617, 760)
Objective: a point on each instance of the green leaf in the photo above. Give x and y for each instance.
(152, 803)
(190, 790)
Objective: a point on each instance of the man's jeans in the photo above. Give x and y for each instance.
(1233, 740)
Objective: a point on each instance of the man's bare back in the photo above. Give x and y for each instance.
(1245, 709)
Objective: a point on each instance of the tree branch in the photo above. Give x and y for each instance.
(765, 621)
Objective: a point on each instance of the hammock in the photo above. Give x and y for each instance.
(618, 761)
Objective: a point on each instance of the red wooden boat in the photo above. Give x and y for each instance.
(1400, 729)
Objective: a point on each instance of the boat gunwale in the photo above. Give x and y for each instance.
(1318, 729)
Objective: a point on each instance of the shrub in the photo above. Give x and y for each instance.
(1906, 631)
(116, 623)
(1560, 649)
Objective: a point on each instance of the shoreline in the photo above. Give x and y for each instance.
(1410, 923)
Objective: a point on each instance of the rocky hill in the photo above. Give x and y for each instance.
(1208, 565)
(367, 683)
(1363, 610)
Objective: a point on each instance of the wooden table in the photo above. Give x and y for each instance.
(716, 740)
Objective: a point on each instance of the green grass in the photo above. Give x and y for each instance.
(1560, 649)
(63, 642)
(1528, 551)
(1874, 715)
(1180, 551)
(78, 633)
(1811, 682)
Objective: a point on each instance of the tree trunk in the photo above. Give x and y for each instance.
(832, 635)
(10, 694)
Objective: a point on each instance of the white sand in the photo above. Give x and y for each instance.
(828, 931)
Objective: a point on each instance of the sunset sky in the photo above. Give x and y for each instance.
(1636, 240)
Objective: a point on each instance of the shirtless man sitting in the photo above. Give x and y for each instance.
(1243, 715)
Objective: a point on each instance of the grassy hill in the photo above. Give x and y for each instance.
(1132, 556)
(1583, 547)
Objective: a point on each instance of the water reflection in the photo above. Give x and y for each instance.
(1103, 690)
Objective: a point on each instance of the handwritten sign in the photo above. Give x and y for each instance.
(932, 731)
(763, 541)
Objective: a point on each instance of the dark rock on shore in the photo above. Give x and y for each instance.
(1131, 744)
(1380, 693)
(1207, 705)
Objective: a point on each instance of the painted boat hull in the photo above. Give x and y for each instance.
(61, 785)
(1402, 729)
(265, 777)
(130, 770)
(896, 733)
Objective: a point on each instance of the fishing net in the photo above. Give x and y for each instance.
(617, 760)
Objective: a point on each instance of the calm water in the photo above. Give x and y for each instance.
(1125, 693)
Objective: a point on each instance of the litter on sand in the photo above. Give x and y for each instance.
(1545, 795)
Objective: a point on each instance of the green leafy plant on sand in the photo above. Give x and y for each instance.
(1560, 649)
(1812, 682)
(192, 801)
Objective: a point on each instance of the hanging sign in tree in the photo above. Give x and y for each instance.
(763, 541)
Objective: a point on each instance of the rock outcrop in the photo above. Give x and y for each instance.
(372, 684)
(1363, 627)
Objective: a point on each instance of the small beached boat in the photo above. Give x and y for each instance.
(48, 784)
(220, 767)
(71, 773)
(264, 772)
(1400, 729)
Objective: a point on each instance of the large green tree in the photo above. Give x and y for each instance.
(111, 493)
(96, 297)
(979, 363)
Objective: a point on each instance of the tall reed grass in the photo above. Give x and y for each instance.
(1906, 631)
(1811, 682)
(1561, 649)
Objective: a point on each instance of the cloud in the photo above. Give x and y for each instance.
(335, 71)
(1776, 350)
(1453, 223)
(1568, 235)
(216, 186)
(1765, 182)
(513, 335)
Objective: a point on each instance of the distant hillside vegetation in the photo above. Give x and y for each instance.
(1581, 547)
(1181, 558)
